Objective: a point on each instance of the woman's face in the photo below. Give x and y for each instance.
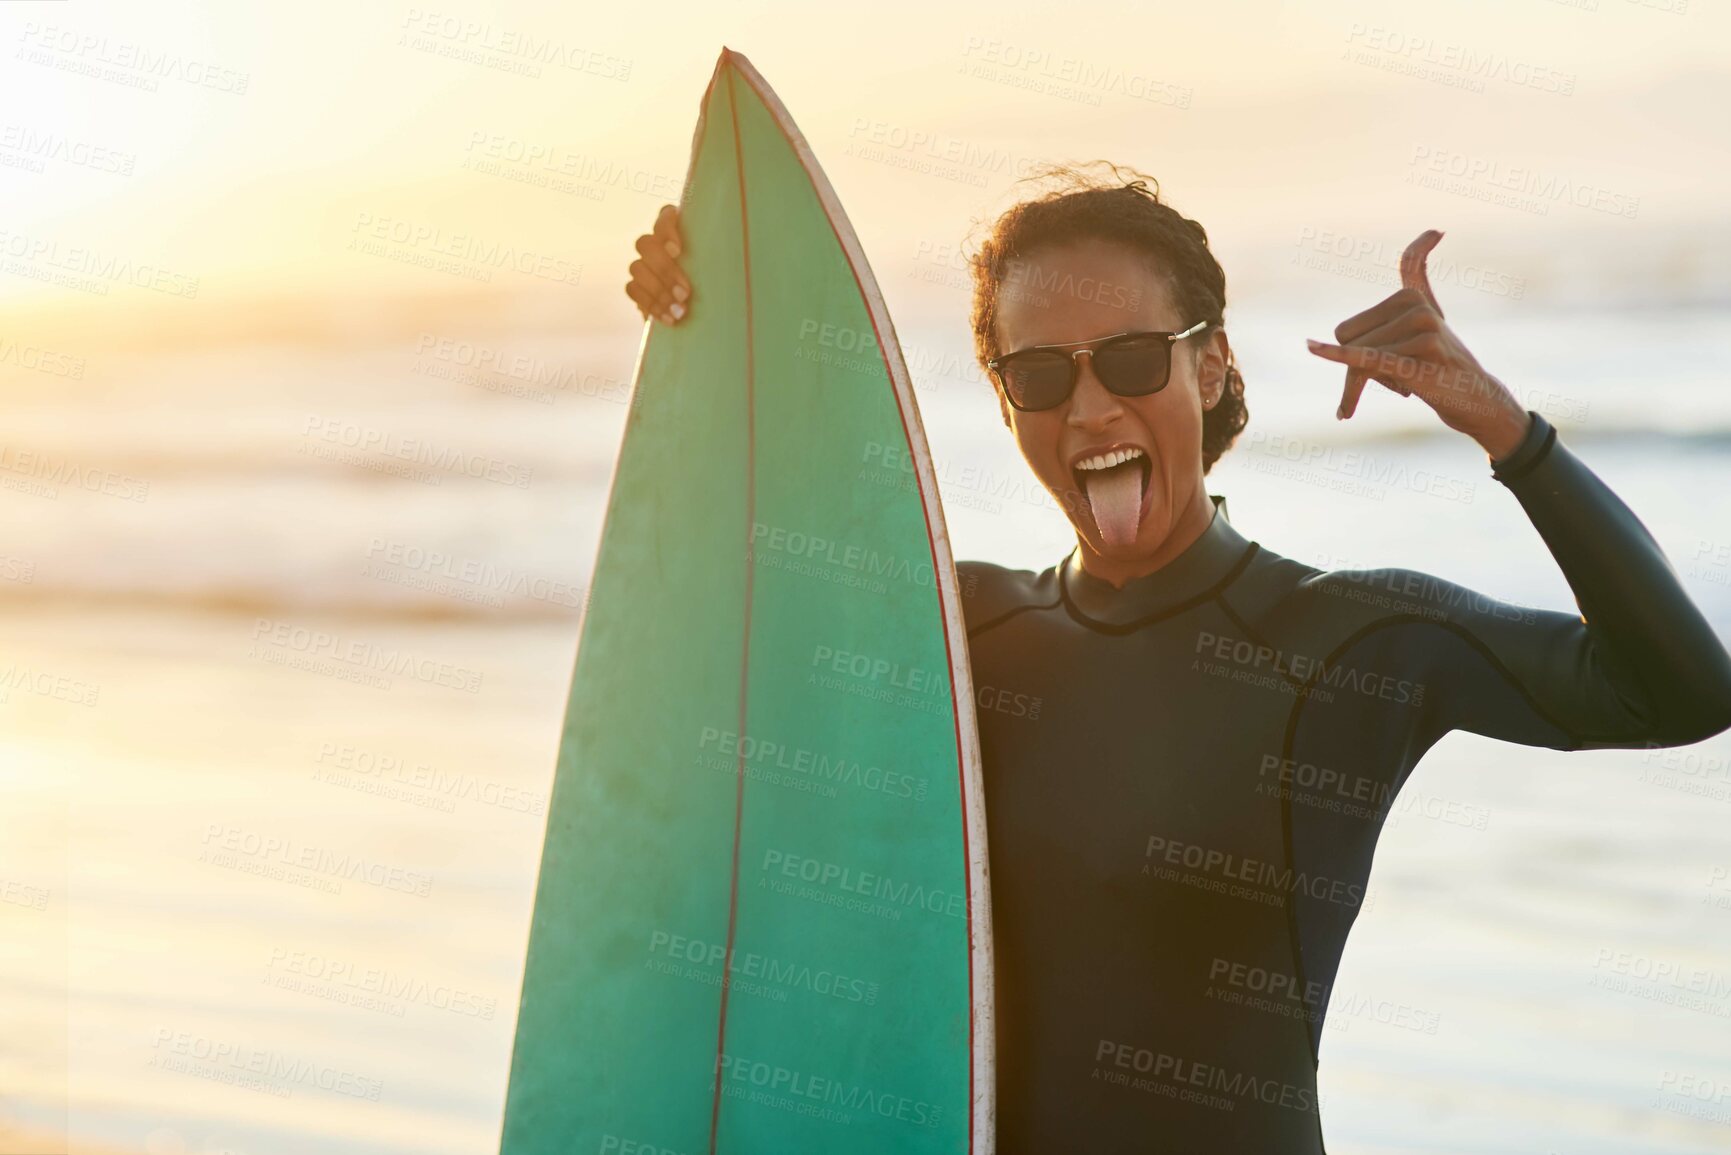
(1082, 292)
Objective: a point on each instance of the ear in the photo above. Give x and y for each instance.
(1004, 409)
(1211, 368)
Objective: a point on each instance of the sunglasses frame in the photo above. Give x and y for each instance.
(1076, 366)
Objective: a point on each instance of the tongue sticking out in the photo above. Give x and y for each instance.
(1115, 498)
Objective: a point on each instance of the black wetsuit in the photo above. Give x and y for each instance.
(1185, 779)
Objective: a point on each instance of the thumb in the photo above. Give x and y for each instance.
(1412, 270)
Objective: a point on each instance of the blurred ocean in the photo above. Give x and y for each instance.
(190, 532)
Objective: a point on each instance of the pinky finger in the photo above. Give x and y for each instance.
(1355, 381)
(641, 298)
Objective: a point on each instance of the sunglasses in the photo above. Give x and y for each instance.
(1128, 364)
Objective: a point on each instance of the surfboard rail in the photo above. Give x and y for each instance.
(984, 1084)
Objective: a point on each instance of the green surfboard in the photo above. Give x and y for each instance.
(762, 921)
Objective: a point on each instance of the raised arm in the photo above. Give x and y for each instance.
(1640, 665)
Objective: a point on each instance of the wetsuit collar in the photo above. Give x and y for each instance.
(1190, 577)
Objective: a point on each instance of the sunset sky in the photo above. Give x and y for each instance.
(274, 137)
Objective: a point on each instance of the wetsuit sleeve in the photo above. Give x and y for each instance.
(1638, 666)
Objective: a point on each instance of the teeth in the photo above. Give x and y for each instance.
(1108, 460)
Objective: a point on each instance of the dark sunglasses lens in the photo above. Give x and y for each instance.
(1036, 380)
(1134, 366)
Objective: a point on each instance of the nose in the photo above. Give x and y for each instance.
(1092, 405)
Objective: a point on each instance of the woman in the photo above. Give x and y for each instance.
(1180, 838)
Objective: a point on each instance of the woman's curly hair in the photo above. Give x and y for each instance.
(1122, 212)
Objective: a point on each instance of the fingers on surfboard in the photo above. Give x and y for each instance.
(658, 285)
